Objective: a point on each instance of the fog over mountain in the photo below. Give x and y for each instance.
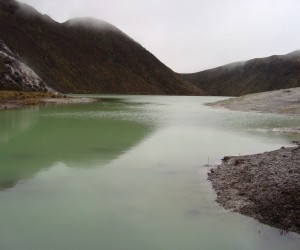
(194, 35)
(82, 55)
(253, 76)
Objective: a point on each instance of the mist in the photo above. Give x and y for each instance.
(191, 35)
(91, 23)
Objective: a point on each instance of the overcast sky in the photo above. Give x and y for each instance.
(193, 35)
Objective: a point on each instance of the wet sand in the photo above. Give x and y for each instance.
(264, 186)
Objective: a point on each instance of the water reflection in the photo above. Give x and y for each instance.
(129, 174)
(35, 138)
(13, 122)
(7, 184)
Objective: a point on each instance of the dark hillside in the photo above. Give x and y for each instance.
(85, 55)
(257, 75)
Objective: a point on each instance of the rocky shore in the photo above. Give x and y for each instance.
(264, 186)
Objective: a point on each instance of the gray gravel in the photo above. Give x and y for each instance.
(264, 186)
(284, 101)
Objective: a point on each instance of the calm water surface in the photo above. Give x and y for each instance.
(129, 173)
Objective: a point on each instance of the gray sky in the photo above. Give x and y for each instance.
(193, 35)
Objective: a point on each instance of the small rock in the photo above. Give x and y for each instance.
(226, 158)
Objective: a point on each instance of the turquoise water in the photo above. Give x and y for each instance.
(129, 173)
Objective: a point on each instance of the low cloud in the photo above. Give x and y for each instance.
(193, 35)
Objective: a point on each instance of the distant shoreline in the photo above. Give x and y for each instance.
(263, 186)
(20, 99)
(284, 101)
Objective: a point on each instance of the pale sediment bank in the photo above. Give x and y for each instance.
(264, 186)
(284, 101)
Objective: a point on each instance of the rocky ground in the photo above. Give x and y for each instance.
(19, 99)
(264, 186)
(15, 75)
(284, 101)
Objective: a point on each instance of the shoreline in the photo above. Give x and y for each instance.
(18, 99)
(263, 186)
(284, 101)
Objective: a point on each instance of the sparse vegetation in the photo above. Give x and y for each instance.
(12, 99)
(19, 99)
(22, 95)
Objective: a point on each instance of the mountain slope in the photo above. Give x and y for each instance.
(15, 75)
(85, 55)
(257, 75)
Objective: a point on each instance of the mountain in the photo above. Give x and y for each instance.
(85, 55)
(257, 75)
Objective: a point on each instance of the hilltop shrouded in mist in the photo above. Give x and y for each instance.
(91, 23)
(191, 35)
(85, 55)
(253, 76)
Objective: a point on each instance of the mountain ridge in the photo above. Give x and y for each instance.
(72, 58)
(252, 76)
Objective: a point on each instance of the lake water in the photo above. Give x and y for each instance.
(128, 173)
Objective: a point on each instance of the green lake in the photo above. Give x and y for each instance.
(128, 173)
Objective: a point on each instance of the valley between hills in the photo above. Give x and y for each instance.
(41, 61)
(86, 55)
